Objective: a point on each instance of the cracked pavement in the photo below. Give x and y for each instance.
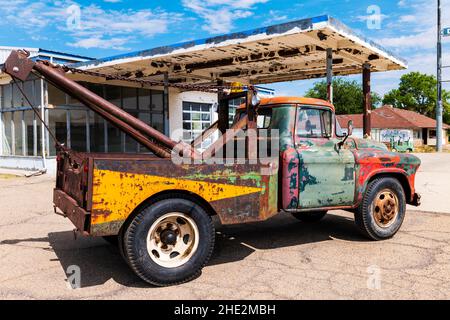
(278, 259)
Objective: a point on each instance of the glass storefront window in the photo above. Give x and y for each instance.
(97, 130)
(29, 132)
(114, 139)
(157, 101)
(22, 130)
(78, 130)
(58, 125)
(7, 96)
(38, 137)
(144, 116)
(112, 94)
(17, 96)
(158, 122)
(130, 144)
(144, 99)
(55, 96)
(95, 88)
(129, 98)
(18, 151)
(7, 135)
(30, 91)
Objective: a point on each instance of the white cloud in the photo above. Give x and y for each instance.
(219, 15)
(95, 42)
(98, 28)
(276, 16)
(419, 26)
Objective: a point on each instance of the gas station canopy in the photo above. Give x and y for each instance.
(290, 51)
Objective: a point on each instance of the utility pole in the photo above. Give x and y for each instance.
(439, 105)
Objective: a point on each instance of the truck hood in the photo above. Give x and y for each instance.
(370, 144)
(370, 152)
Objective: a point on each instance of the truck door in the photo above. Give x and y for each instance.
(327, 173)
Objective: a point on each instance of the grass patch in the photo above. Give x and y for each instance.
(430, 149)
(425, 149)
(8, 176)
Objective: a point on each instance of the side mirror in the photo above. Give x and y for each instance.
(349, 133)
(255, 100)
(350, 128)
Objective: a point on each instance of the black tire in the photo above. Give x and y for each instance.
(313, 216)
(135, 243)
(113, 240)
(364, 215)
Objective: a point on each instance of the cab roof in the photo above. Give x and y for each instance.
(296, 100)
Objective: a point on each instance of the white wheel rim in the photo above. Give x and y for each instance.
(172, 239)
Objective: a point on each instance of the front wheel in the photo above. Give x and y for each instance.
(313, 216)
(169, 242)
(382, 210)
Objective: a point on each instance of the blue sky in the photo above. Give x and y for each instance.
(110, 27)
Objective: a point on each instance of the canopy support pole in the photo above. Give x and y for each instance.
(330, 75)
(367, 100)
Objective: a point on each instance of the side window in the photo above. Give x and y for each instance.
(313, 123)
(264, 119)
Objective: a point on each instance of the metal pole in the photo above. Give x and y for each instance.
(367, 101)
(439, 106)
(330, 74)
(166, 105)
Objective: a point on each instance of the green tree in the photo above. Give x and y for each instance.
(418, 92)
(347, 95)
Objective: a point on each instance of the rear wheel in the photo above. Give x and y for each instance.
(169, 242)
(382, 210)
(312, 216)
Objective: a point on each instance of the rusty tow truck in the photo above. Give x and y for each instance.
(160, 210)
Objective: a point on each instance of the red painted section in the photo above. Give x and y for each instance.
(371, 162)
(290, 180)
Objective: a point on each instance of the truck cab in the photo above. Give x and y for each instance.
(323, 168)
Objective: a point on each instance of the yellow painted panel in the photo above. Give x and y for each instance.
(117, 194)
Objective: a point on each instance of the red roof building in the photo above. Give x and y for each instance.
(389, 122)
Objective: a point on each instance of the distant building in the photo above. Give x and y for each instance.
(389, 122)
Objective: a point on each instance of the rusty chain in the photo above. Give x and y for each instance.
(192, 87)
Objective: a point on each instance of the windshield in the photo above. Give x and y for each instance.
(314, 123)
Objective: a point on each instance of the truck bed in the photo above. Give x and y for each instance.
(98, 192)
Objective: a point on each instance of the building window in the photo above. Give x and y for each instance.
(232, 107)
(196, 118)
(432, 134)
